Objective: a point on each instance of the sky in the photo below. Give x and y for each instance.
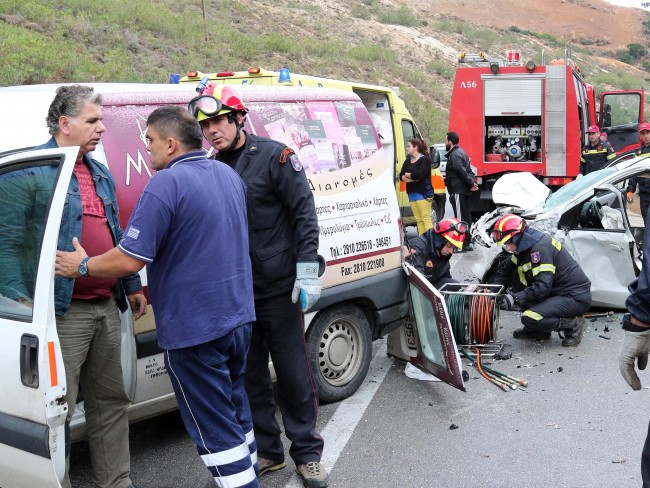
(628, 3)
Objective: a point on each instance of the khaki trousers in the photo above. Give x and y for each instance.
(90, 343)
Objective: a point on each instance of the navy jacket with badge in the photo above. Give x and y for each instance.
(643, 183)
(282, 221)
(546, 269)
(427, 261)
(595, 157)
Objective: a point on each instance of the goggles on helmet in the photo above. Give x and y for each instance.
(499, 235)
(459, 226)
(207, 105)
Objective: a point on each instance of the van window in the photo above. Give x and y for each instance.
(408, 131)
(25, 194)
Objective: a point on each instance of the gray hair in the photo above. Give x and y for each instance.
(68, 102)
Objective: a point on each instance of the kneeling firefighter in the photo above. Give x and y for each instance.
(430, 252)
(554, 291)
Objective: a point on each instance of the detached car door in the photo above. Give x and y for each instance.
(436, 347)
(33, 410)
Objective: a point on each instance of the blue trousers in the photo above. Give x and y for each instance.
(208, 381)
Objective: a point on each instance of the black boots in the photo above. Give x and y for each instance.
(573, 329)
(525, 333)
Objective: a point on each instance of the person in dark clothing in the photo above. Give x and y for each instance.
(636, 341)
(596, 154)
(556, 291)
(283, 247)
(416, 173)
(431, 252)
(642, 183)
(460, 181)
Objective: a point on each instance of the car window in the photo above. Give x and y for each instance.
(25, 195)
(569, 191)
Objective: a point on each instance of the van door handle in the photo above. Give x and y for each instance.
(29, 360)
(616, 247)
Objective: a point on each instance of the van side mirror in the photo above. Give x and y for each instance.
(435, 157)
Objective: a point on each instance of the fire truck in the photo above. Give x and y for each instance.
(516, 116)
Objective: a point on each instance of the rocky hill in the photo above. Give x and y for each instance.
(406, 43)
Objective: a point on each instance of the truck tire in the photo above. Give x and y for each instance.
(339, 347)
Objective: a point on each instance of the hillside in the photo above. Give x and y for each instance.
(405, 43)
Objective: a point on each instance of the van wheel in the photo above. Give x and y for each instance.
(339, 345)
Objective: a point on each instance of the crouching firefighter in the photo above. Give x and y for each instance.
(430, 252)
(553, 293)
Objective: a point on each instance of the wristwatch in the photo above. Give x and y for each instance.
(83, 267)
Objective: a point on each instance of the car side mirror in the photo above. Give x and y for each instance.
(435, 158)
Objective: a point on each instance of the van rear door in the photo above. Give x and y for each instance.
(33, 410)
(436, 348)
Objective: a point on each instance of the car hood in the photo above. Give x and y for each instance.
(521, 190)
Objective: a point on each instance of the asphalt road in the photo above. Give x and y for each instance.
(577, 424)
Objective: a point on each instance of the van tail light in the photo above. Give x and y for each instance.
(556, 181)
(225, 74)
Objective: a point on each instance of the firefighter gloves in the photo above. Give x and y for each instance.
(307, 286)
(636, 346)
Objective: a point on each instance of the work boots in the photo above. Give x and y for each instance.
(525, 333)
(573, 329)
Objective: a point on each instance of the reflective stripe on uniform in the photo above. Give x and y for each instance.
(226, 457)
(543, 268)
(521, 270)
(236, 480)
(556, 243)
(611, 156)
(532, 315)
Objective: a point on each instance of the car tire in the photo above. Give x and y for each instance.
(339, 346)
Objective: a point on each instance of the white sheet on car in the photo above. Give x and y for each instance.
(521, 190)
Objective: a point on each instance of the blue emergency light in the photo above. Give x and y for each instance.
(285, 77)
(174, 78)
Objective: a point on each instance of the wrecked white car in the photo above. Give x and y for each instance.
(589, 216)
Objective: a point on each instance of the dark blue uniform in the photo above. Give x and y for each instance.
(643, 184)
(595, 157)
(554, 285)
(283, 230)
(426, 260)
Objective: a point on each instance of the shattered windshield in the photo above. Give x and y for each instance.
(567, 192)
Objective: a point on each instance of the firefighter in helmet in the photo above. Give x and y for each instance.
(553, 291)
(596, 153)
(283, 242)
(430, 253)
(642, 183)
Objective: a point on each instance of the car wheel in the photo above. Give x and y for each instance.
(339, 344)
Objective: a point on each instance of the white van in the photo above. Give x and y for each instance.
(365, 288)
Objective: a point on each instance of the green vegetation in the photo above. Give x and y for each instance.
(401, 16)
(130, 41)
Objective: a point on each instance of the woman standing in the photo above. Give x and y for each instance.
(416, 173)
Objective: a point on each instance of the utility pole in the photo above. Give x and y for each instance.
(205, 21)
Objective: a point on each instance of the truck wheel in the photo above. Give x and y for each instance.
(339, 345)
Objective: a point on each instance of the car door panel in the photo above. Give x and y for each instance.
(32, 407)
(436, 348)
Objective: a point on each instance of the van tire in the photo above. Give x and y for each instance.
(339, 347)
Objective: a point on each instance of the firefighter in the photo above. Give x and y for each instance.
(554, 291)
(643, 183)
(596, 154)
(460, 181)
(283, 239)
(431, 252)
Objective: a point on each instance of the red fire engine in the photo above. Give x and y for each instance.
(512, 116)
